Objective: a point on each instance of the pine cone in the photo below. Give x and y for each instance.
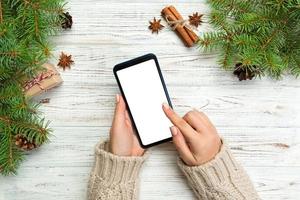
(244, 72)
(23, 143)
(67, 21)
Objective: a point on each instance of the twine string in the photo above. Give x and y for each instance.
(38, 79)
(182, 22)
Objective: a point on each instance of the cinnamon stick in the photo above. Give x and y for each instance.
(192, 35)
(178, 16)
(175, 13)
(181, 31)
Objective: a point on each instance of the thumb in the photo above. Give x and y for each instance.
(120, 110)
(181, 145)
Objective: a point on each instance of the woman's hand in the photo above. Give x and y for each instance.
(195, 137)
(123, 141)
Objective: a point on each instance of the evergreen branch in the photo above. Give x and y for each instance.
(57, 10)
(10, 157)
(225, 60)
(233, 7)
(36, 28)
(24, 46)
(1, 14)
(42, 131)
(5, 119)
(265, 44)
(10, 54)
(262, 34)
(2, 32)
(10, 152)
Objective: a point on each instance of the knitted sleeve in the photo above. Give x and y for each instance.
(220, 179)
(114, 177)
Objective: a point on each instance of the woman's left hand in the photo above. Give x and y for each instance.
(123, 141)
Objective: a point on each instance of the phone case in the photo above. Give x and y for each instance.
(133, 62)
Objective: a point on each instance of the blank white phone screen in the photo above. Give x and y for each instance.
(145, 95)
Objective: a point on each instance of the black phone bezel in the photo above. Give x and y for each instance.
(133, 62)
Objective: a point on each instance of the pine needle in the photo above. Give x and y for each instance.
(260, 33)
(25, 28)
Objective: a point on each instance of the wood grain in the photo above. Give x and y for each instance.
(260, 119)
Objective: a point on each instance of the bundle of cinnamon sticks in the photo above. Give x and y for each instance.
(174, 19)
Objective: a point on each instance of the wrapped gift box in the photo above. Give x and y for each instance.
(42, 82)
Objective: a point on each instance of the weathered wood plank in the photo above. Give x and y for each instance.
(260, 119)
(60, 169)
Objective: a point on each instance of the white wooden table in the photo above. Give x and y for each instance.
(260, 118)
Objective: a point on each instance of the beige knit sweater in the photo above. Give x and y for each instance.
(115, 177)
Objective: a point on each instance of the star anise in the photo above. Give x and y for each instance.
(155, 25)
(65, 61)
(195, 19)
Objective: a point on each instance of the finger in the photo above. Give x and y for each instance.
(137, 150)
(202, 115)
(136, 141)
(187, 131)
(127, 115)
(181, 145)
(128, 119)
(205, 119)
(195, 121)
(120, 109)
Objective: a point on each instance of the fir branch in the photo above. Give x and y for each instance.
(36, 28)
(24, 46)
(10, 157)
(261, 33)
(32, 128)
(265, 44)
(1, 14)
(2, 32)
(10, 152)
(12, 54)
(226, 57)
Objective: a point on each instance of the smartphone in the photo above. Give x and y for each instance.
(143, 88)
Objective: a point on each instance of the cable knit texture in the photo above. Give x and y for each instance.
(114, 177)
(222, 178)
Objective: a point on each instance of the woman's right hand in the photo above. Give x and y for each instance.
(195, 137)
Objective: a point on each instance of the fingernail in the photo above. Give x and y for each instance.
(173, 130)
(117, 98)
(166, 106)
